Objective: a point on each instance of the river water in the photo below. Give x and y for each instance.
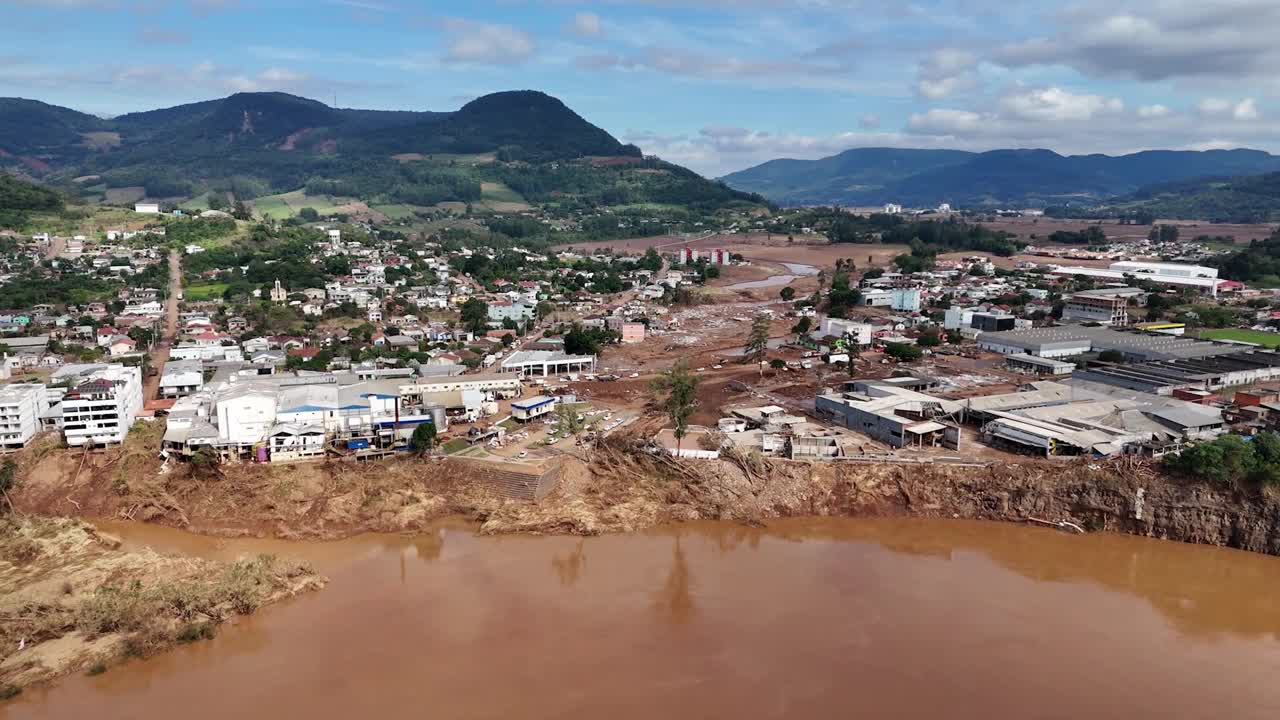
(806, 619)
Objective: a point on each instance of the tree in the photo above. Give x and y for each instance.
(474, 315)
(1111, 356)
(679, 388)
(8, 480)
(758, 340)
(423, 439)
(802, 327)
(929, 338)
(570, 420)
(778, 364)
(205, 461)
(651, 261)
(903, 352)
(309, 214)
(580, 341)
(787, 293)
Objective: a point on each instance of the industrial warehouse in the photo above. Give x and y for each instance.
(1043, 418)
(1066, 341)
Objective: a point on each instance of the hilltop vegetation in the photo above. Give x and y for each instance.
(1250, 199)
(18, 198)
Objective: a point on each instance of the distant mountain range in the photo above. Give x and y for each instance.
(257, 144)
(925, 178)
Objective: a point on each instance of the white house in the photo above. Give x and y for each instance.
(101, 407)
(20, 408)
(147, 208)
(181, 377)
(836, 328)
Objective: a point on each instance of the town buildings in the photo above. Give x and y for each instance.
(21, 406)
(101, 404)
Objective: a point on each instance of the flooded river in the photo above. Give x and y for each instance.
(808, 619)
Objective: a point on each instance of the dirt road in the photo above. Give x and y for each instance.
(56, 246)
(160, 351)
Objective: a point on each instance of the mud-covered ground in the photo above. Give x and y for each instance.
(71, 600)
(621, 487)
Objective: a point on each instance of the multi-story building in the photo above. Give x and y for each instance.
(20, 410)
(102, 405)
(1108, 307)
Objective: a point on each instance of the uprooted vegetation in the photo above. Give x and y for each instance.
(621, 485)
(70, 599)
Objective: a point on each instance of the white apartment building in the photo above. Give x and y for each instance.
(835, 327)
(101, 407)
(20, 410)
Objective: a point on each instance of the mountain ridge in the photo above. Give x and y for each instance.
(518, 145)
(873, 176)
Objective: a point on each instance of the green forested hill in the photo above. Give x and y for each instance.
(521, 145)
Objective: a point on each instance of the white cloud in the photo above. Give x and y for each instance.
(1158, 39)
(869, 121)
(1054, 104)
(945, 72)
(1246, 109)
(585, 24)
(477, 43)
(1153, 111)
(725, 67)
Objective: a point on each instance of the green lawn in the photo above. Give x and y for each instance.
(1257, 337)
(454, 445)
(204, 291)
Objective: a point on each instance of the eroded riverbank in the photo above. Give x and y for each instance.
(805, 618)
(620, 488)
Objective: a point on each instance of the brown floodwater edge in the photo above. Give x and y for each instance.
(814, 617)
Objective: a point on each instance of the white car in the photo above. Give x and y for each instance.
(716, 367)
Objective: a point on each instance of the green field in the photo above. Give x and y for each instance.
(398, 211)
(199, 203)
(497, 192)
(286, 205)
(204, 291)
(1257, 337)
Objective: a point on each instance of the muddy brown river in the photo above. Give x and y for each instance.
(807, 619)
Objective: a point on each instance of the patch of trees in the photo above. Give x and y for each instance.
(16, 194)
(22, 292)
(1092, 236)
(1259, 263)
(182, 231)
(581, 340)
(1230, 459)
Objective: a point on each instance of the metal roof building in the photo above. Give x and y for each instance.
(1069, 341)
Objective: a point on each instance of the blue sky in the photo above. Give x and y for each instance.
(717, 85)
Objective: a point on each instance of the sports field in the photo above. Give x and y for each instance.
(1257, 337)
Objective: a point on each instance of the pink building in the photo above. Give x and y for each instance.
(632, 333)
